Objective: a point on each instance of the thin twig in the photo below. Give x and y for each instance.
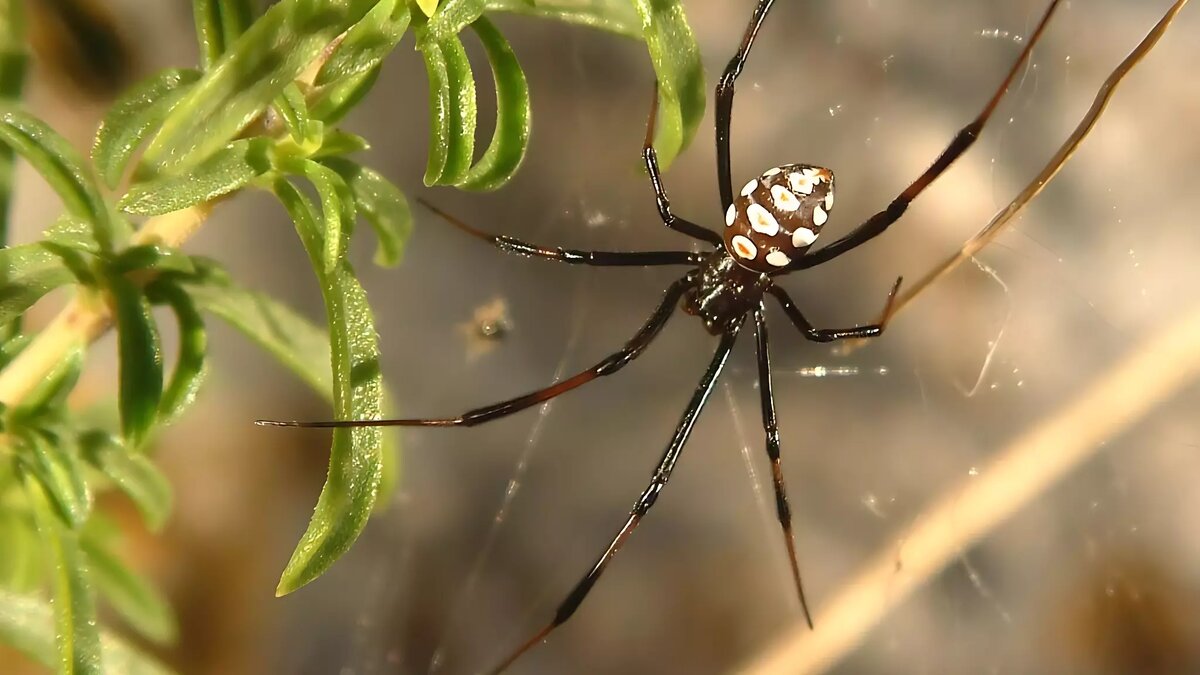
(1156, 370)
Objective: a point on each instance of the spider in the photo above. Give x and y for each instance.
(769, 229)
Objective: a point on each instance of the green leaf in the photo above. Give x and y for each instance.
(152, 257)
(75, 626)
(337, 142)
(21, 564)
(53, 460)
(293, 340)
(229, 169)
(219, 23)
(355, 459)
(62, 167)
(140, 352)
(507, 150)
(27, 624)
(452, 109)
(383, 206)
(331, 102)
(51, 392)
(237, 89)
(27, 273)
(452, 16)
(337, 209)
(191, 364)
(614, 16)
(132, 117)
(367, 42)
(133, 473)
(293, 109)
(676, 59)
(136, 601)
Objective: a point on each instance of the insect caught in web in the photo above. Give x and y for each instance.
(769, 229)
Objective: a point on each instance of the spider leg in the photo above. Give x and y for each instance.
(832, 334)
(724, 98)
(659, 480)
(771, 427)
(632, 349)
(660, 193)
(570, 255)
(876, 224)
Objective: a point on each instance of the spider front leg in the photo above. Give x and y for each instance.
(570, 255)
(724, 98)
(964, 139)
(660, 193)
(658, 481)
(771, 428)
(832, 334)
(616, 361)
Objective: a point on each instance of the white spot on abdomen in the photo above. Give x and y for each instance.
(803, 237)
(778, 258)
(762, 221)
(819, 216)
(743, 247)
(730, 216)
(749, 188)
(784, 199)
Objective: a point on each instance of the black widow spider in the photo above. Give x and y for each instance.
(769, 228)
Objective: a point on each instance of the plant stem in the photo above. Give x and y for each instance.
(86, 317)
(1155, 371)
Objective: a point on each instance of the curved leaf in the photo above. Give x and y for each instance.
(219, 23)
(62, 167)
(367, 42)
(439, 111)
(132, 117)
(676, 59)
(266, 58)
(337, 209)
(191, 364)
(75, 626)
(507, 149)
(334, 100)
(229, 169)
(140, 352)
(451, 17)
(337, 142)
(53, 461)
(463, 112)
(383, 206)
(356, 457)
(27, 273)
(133, 473)
(137, 601)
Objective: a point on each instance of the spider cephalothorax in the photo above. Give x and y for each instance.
(777, 216)
(768, 230)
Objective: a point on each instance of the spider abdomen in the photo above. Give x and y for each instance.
(777, 216)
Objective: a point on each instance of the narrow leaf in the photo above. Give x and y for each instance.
(439, 111)
(152, 257)
(133, 117)
(27, 273)
(140, 352)
(292, 107)
(53, 461)
(219, 23)
(382, 205)
(452, 16)
(266, 58)
(337, 142)
(136, 601)
(191, 364)
(229, 169)
(62, 167)
(133, 473)
(331, 102)
(52, 390)
(463, 112)
(507, 149)
(367, 42)
(355, 459)
(337, 209)
(676, 59)
(75, 626)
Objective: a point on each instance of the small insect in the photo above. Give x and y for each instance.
(769, 228)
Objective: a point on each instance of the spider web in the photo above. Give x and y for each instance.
(495, 524)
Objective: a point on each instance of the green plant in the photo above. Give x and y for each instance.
(259, 113)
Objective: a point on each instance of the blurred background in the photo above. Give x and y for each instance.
(493, 525)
